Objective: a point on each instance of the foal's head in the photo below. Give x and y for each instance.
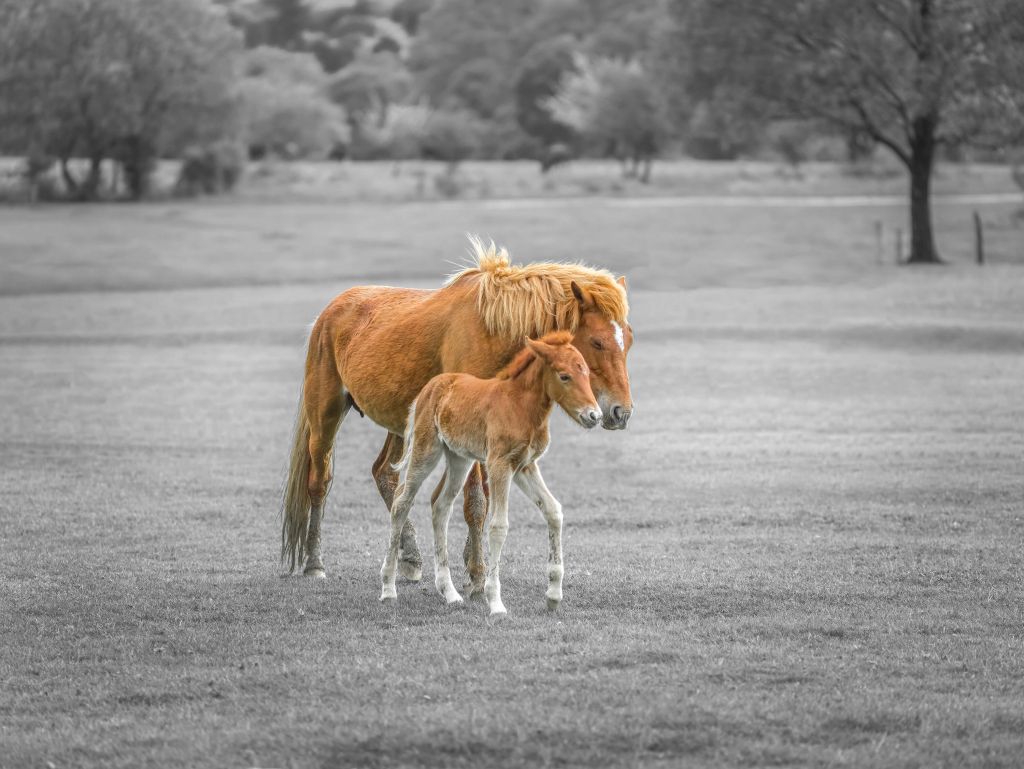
(566, 377)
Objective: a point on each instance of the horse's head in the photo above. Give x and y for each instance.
(604, 343)
(567, 377)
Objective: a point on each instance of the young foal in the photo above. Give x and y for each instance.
(503, 422)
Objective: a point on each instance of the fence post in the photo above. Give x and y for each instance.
(899, 246)
(878, 241)
(979, 240)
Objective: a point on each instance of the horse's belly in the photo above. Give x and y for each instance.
(384, 377)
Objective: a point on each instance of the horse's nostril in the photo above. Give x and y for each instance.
(617, 413)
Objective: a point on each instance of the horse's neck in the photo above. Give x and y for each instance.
(529, 394)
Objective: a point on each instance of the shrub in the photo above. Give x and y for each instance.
(291, 121)
(451, 136)
(210, 169)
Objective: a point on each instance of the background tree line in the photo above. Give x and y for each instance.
(84, 82)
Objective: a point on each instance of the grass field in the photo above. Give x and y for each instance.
(805, 551)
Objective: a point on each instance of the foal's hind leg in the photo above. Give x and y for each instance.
(410, 562)
(421, 463)
(474, 509)
(325, 409)
(441, 511)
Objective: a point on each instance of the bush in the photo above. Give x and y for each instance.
(451, 136)
(210, 170)
(291, 121)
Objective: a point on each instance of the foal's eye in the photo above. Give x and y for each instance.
(564, 377)
(597, 344)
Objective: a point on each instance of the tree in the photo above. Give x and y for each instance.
(104, 79)
(912, 75)
(614, 104)
(368, 87)
(539, 77)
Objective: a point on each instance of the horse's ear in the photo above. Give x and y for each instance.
(539, 348)
(621, 280)
(581, 295)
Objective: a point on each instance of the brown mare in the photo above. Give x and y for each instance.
(374, 347)
(503, 422)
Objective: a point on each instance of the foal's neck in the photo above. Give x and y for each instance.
(529, 391)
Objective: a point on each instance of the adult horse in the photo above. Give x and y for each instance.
(374, 347)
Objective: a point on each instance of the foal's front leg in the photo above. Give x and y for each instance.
(532, 484)
(500, 479)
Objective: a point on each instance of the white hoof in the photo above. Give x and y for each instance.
(410, 571)
(388, 595)
(553, 604)
(454, 600)
(315, 572)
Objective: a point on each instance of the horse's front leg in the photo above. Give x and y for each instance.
(500, 479)
(532, 484)
(410, 562)
(474, 510)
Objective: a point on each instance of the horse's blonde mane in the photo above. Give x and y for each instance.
(515, 301)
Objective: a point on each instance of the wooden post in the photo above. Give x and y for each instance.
(878, 241)
(979, 240)
(899, 246)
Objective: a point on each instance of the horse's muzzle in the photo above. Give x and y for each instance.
(616, 417)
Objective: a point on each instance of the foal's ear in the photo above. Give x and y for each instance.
(541, 349)
(621, 280)
(581, 295)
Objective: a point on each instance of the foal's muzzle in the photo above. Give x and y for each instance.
(589, 417)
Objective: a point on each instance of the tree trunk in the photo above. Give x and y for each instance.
(90, 188)
(922, 241)
(70, 182)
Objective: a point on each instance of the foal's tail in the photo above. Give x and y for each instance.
(296, 501)
(410, 432)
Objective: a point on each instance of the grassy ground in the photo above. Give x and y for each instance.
(804, 551)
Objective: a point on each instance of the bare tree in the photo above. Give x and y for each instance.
(913, 75)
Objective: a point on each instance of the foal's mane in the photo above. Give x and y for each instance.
(529, 300)
(526, 356)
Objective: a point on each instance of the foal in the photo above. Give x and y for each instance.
(502, 422)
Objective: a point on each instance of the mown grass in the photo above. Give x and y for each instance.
(805, 550)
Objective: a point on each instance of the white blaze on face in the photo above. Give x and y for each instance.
(618, 335)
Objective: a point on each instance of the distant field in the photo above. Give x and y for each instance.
(805, 551)
(411, 181)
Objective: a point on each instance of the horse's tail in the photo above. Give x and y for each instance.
(296, 501)
(410, 432)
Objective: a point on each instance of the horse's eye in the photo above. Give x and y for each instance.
(597, 344)
(564, 377)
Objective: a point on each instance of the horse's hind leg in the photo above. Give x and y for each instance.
(410, 562)
(474, 509)
(326, 406)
